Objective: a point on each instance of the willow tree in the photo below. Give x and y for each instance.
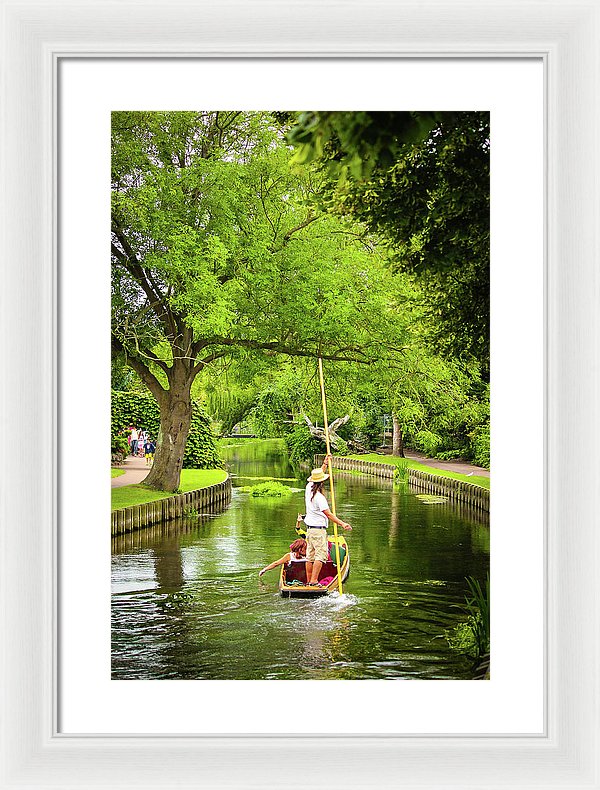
(215, 249)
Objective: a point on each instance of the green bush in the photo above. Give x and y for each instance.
(201, 448)
(119, 444)
(141, 410)
(480, 446)
(133, 408)
(367, 420)
(302, 446)
(450, 455)
(427, 442)
(341, 447)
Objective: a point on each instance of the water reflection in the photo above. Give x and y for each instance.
(187, 602)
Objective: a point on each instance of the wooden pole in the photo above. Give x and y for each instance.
(326, 422)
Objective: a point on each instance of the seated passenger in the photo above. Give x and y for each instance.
(297, 553)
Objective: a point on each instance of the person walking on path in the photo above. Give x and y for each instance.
(149, 448)
(316, 519)
(133, 444)
(142, 434)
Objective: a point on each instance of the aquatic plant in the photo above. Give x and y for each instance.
(472, 637)
(432, 499)
(269, 489)
(401, 471)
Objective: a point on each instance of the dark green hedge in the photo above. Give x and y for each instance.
(133, 408)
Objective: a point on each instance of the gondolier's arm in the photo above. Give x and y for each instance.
(338, 521)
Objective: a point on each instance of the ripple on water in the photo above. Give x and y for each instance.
(188, 603)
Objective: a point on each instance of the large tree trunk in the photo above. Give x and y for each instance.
(397, 443)
(175, 419)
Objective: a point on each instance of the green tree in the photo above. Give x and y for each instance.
(217, 250)
(421, 181)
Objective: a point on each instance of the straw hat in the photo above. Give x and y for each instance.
(317, 476)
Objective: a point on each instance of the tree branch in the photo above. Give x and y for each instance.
(319, 433)
(129, 260)
(344, 354)
(311, 218)
(141, 369)
(206, 361)
(262, 200)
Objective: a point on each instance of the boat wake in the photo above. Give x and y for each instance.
(334, 602)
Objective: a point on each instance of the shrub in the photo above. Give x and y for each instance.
(133, 408)
(119, 445)
(450, 455)
(201, 449)
(341, 447)
(480, 446)
(428, 442)
(367, 420)
(371, 432)
(302, 446)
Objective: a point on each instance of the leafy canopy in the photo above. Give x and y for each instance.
(421, 181)
(217, 244)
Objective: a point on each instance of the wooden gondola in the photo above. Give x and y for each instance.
(292, 580)
(297, 573)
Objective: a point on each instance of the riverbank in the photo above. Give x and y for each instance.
(127, 490)
(199, 501)
(462, 492)
(455, 470)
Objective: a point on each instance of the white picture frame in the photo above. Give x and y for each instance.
(34, 38)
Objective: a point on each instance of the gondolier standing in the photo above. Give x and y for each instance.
(316, 520)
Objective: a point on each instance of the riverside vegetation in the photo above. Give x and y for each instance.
(245, 245)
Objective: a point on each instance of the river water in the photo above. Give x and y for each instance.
(187, 602)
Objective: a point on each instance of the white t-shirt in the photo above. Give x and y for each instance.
(314, 508)
(295, 558)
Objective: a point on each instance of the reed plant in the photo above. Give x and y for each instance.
(401, 472)
(473, 635)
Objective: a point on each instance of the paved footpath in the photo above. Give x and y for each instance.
(135, 471)
(449, 466)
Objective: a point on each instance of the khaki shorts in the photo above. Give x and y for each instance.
(316, 545)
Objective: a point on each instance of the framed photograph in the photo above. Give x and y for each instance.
(535, 68)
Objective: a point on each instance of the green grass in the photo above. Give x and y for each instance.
(116, 472)
(484, 482)
(191, 479)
